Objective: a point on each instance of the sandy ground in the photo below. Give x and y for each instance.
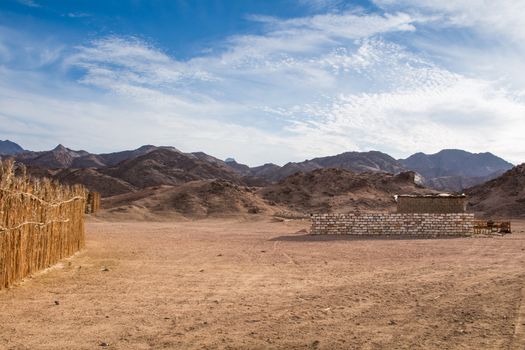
(229, 284)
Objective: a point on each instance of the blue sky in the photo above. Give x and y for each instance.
(265, 81)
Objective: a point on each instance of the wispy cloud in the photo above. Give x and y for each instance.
(114, 61)
(78, 15)
(503, 17)
(30, 3)
(306, 87)
(483, 39)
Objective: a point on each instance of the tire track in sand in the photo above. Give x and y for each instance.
(518, 339)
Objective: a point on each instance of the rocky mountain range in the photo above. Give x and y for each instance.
(355, 161)
(159, 179)
(447, 170)
(159, 166)
(61, 157)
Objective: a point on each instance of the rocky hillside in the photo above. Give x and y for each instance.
(95, 181)
(59, 157)
(354, 161)
(168, 167)
(455, 170)
(64, 158)
(266, 171)
(503, 196)
(195, 199)
(239, 168)
(161, 166)
(112, 159)
(455, 183)
(340, 190)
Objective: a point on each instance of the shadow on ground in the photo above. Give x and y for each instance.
(329, 238)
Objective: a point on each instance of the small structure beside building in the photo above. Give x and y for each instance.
(432, 204)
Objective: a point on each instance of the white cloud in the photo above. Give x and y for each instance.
(307, 87)
(350, 25)
(502, 17)
(307, 35)
(481, 38)
(116, 60)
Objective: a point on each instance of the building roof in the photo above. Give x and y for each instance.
(438, 195)
(433, 195)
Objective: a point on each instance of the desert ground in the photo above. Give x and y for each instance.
(260, 284)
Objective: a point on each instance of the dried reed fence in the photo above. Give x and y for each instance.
(41, 222)
(93, 203)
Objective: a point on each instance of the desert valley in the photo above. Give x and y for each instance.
(189, 251)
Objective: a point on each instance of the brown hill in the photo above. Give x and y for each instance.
(62, 158)
(456, 170)
(503, 196)
(290, 169)
(91, 178)
(94, 181)
(339, 190)
(265, 171)
(354, 161)
(111, 159)
(456, 183)
(362, 162)
(237, 167)
(87, 161)
(196, 199)
(157, 167)
(59, 157)
(168, 167)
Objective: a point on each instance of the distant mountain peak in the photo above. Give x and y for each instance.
(146, 147)
(455, 169)
(60, 147)
(10, 148)
(230, 160)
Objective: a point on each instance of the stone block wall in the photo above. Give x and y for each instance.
(458, 224)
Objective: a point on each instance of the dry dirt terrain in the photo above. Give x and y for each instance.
(237, 284)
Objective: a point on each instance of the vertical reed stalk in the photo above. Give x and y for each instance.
(41, 222)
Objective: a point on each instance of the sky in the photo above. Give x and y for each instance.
(265, 81)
